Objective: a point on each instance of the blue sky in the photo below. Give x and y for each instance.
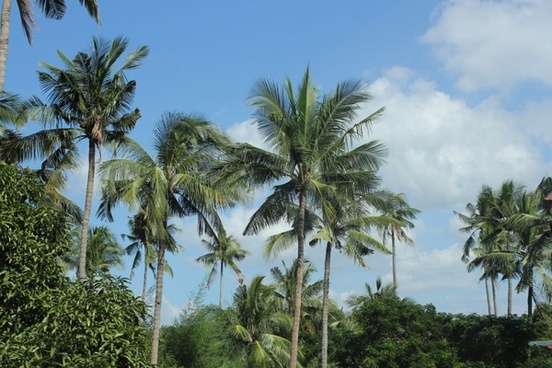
(466, 85)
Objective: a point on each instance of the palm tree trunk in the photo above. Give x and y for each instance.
(488, 294)
(325, 305)
(220, 288)
(493, 284)
(158, 300)
(145, 283)
(4, 40)
(530, 304)
(509, 296)
(299, 282)
(87, 208)
(394, 259)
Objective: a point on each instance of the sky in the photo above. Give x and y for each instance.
(466, 86)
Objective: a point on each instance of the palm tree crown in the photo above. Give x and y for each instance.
(91, 96)
(224, 250)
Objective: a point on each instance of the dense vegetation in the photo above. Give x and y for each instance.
(46, 319)
(381, 330)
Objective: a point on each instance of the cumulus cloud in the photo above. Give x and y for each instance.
(441, 150)
(494, 44)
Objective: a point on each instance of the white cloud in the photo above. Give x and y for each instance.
(441, 150)
(493, 43)
(169, 312)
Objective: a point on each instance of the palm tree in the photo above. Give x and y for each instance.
(260, 328)
(223, 250)
(92, 98)
(481, 225)
(103, 253)
(54, 9)
(531, 225)
(381, 292)
(505, 201)
(10, 105)
(308, 137)
(286, 279)
(399, 210)
(171, 184)
(142, 248)
(347, 231)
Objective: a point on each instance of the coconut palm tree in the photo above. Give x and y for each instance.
(104, 252)
(505, 205)
(10, 105)
(481, 225)
(285, 279)
(399, 210)
(347, 231)
(531, 225)
(54, 9)
(308, 136)
(142, 248)
(92, 97)
(171, 184)
(224, 250)
(259, 332)
(381, 292)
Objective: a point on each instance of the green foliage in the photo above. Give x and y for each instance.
(499, 342)
(396, 333)
(391, 332)
(97, 323)
(32, 237)
(197, 340)
(45, 319)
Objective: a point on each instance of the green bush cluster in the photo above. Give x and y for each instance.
(46, 319)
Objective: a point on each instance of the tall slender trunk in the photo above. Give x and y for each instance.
(325, 306)
(510, 288)
(145, 283)
(394, 258)
(220, 287)
(4, 40)
(158, 301)
(493, 284)
(530, 304)
(87, 208)
(299, 282)
(488, 294)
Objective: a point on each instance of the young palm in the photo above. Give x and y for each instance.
(92, 97)
(309, 136)
(171, 184)
(54, 9)
(224, 250)
(104, 252)
(286, 280)
(387, 291)
(260, 328)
